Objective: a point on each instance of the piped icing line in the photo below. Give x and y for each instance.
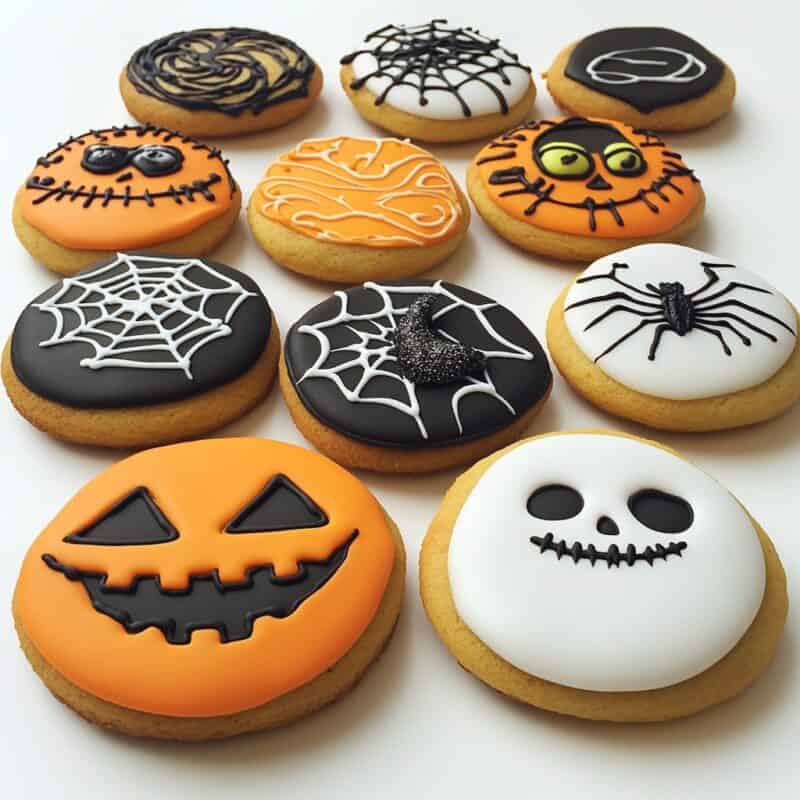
(362, 201)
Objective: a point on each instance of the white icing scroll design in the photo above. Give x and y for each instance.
(690, 70)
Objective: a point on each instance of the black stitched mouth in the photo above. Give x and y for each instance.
(613, 556)
(207, 602)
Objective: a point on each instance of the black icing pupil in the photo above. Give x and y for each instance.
(568, 159)
(157, 160)
(629, 162)
(104, 159)
(555, 501)
(660, 511)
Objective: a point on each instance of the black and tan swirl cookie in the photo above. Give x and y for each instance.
(653, 78)
(412, 376)
(220, 81)
(142, 349)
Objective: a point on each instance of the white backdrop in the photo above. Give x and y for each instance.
(417, 724)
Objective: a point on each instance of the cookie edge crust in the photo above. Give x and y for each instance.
(215, 123)
(721, 412)
(565, 246)
(731, 675)
(353, 453)
(147, 426)
(699, 112)
(402, 123)
(349, 263)
(321, 691)
(66, 261)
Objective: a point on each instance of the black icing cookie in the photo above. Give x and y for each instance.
(648, 68)
(140, 329)
(415, 363)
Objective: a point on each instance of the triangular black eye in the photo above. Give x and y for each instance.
(281, 506)
(135, 519)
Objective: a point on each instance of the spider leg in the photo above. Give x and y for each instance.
(721, 323)
(619, 307)
(659, 332)
(613, 276)
(707, 319)
(752, 309)
(632, 332)
(719, 336)
(613, 296)
(711, 275)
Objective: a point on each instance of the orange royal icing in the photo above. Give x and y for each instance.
(125, 208)
(201, 487)
(652, 201)
(374, 192)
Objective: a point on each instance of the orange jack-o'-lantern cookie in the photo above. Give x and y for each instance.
(579, 188)
(210, 588)
(349, 209)
(130, 188)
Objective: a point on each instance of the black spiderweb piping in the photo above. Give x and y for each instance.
(419, 57)
(219, 70)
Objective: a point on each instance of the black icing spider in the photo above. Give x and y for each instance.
(670, 308)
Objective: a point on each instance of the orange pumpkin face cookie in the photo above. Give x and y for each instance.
(578, 187)
(223, 585)
(324, 208)
(132, 187)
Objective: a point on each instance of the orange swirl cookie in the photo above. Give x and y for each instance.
(324, 208)
(579, 188)
(210, 588)
(128, 188)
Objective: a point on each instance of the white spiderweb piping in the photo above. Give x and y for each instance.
(139, 305)
(372, 351)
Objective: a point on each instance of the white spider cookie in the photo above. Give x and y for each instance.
(142, 349)
(348, 209)
(133, 187)
(677, 339)
(579, 188)
(412, 376)
(437, 83)
(600, 575)
(647, 77)
(220, 81)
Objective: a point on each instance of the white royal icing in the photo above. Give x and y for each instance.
(477, 81)
(690, 70)
(603, 628)
(694, 365)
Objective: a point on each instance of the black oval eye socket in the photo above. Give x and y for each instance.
(103, 159)
(660, 511)
(157, 159)
(555, 501)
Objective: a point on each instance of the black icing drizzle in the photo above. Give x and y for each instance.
(221, 70)
(432, 53)
(650, 74)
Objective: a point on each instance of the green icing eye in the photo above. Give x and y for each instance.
(565, 160)
(624, 159)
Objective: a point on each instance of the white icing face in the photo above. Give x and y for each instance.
(623, 623)
(678, 323)
(478, 77)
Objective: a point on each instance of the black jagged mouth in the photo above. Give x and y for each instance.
(207, 602)
(613, 557)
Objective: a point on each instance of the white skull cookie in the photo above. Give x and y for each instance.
(599, 562)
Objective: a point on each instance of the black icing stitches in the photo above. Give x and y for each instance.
(436, 58)
(140, 329)
(648, 68)
(229, 70)
(342, 359)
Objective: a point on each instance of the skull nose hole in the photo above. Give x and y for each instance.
(607, 526)
(598, 182)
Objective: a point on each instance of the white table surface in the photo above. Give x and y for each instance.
(417, 725)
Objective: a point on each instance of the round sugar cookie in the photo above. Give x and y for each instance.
(220, 81)
(412, 376)
(132, 187)
(600, 575)
(348, 209)
(210, 588)
(578, 188)
(437, 83)
(677, 339)
(142, 349)
(654, 78)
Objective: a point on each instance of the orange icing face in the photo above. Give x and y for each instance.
(154, 589)
(588, 177)
(373, 192)
(126, 188)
